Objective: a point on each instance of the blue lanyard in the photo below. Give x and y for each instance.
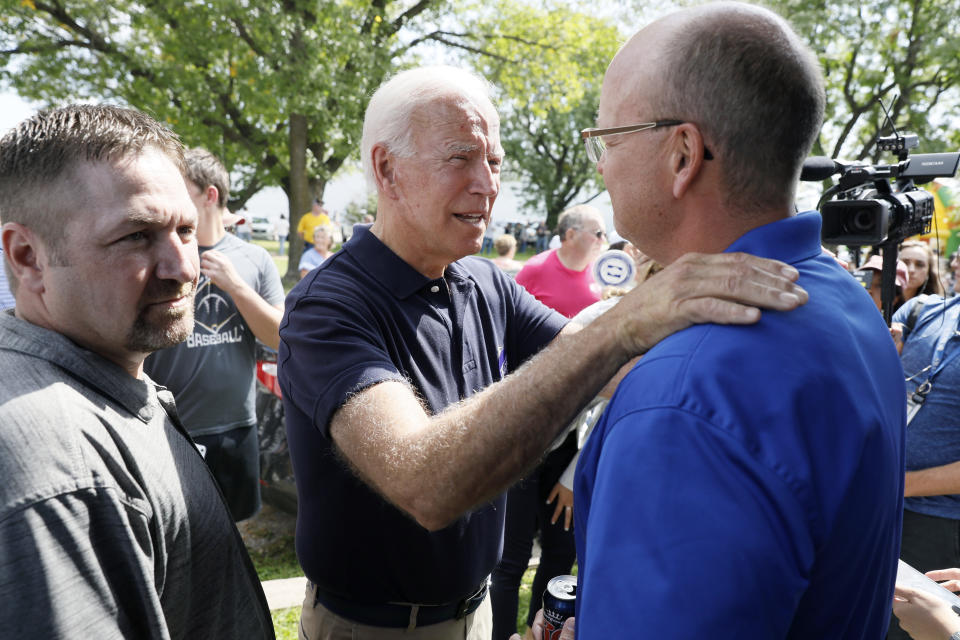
(924, 387)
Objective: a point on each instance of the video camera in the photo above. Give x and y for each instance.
(876, 204)
(880, 205)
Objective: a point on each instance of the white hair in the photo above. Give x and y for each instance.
(388, 116)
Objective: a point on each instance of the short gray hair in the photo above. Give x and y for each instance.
(742, 75)
(393, 105)
(573, 218)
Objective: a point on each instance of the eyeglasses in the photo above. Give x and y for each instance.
(599, 233)
(593, 138)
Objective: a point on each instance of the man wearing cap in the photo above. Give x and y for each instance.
(869, 277)
(213, 373)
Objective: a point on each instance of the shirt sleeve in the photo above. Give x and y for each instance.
(79, 565)
(270, 285)
(688, 535)
(335, 347)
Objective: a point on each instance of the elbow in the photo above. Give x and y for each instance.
(429, 513)
(433, 522)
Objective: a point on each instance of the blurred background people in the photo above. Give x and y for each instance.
(321, 250)
(954, 278)
(869, 275)
(311, 220)
(539, 504)
(213, 373)
(562, 278)
(930, 357)
(922, 270)
(281, 230)
(506, 247)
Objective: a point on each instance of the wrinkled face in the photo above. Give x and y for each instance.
(125, 283)
(918, 266)
(446, 190)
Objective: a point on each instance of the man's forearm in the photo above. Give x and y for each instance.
(935, 481)
(477, 448)
(435, 468)
(262, 317)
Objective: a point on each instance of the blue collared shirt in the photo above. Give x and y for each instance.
(933, 437)
(747, 481)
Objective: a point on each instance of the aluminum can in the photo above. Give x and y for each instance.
(559, 603)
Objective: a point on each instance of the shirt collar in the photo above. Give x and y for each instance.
(390, 269)
(790, 240)
(109, 379)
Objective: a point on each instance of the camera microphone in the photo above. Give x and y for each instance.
(819, 168)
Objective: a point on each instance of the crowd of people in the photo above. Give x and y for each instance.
(735, 419)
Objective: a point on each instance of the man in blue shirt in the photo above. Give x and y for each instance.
(418, 382)
(744, 482)
(931, 366)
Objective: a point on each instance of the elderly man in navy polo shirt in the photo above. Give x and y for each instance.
(403, 423)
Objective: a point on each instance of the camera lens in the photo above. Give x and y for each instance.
(862, 220)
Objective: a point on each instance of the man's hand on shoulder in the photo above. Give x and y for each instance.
(725, 288)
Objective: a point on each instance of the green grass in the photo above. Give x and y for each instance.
(279, 560)
(526, 596)
(286, 622)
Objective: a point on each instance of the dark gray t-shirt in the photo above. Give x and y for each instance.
(111, 525)
(212, 374)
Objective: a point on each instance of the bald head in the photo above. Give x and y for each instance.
(742, 75)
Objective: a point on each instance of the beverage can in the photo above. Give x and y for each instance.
(559, 603)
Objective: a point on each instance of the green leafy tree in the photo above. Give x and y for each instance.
(276, 88)
(903, 53)
(546, 64)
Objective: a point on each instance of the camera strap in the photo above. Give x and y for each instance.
(916, 399)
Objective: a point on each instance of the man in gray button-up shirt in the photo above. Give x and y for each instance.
(110, 523)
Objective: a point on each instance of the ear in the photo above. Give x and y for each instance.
(211, 195)
(26, 254)
(384, 165)
(686, 157)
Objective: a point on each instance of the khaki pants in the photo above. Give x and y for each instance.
(319, 623)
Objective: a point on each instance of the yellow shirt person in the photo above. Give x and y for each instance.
(311, 220)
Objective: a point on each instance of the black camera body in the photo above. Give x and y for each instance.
(875, 204)
(880, 205)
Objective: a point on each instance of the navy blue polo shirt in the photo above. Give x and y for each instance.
(365, 316)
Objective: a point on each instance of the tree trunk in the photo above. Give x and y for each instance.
(299, 192)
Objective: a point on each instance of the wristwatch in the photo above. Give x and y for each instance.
(955, 636)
